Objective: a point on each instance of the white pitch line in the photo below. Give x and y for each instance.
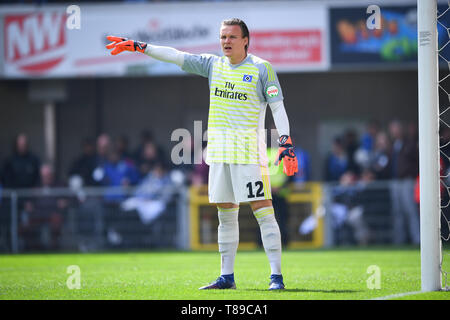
(398, 295)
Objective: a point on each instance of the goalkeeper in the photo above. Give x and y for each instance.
(241, 85)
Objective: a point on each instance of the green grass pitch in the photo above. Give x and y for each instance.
(308, 274)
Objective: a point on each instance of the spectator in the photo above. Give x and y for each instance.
(152, 195)
(369, 136)
(103, 147)
(47, 177)
(90, 165)
(21, 169)
(102, 150)
(148, 158)
(91, 216)
(42, 219)
(139, 154)
(122, 147)
(367, 145)
(145, 136)
(396, 137)
(85, 164)
(351, 145)
(347, 211)
(118, 173)
(379, 161)
(405, 168)
(337, 161)
(409, 155)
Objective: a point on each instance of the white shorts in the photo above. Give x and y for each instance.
(238, 183)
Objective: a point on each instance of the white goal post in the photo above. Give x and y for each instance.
(428, 77)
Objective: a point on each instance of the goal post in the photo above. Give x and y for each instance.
(428, 114)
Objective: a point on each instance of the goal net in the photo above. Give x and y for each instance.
(443, 33)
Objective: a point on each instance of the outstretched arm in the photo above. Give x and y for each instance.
(166, 54)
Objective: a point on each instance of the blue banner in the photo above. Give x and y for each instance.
(393, 42)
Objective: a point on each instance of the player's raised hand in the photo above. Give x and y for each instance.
(115, 40)
(120, 44)
(287, 154)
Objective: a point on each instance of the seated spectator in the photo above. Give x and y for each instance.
(89, 166)
(118, 173)
(21, 169)
(41, 220)
(337, 161)
(148, 158)
(152, 194)
(122, 147)
(347, 211)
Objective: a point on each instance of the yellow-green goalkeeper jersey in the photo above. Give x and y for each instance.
(238, 99)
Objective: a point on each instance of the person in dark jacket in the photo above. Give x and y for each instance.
(21, 169)
(405, 168)
(85, 164)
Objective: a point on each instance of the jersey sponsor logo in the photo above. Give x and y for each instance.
(247, 78)
(235, 95)
(272, 91)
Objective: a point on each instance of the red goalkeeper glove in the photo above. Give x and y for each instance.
(120, 44)
(287, 154)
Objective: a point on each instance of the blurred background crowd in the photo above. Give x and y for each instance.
(355, 161)
(378, 153)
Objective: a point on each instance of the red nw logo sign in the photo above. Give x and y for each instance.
(34, 43)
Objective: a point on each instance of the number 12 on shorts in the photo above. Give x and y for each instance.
(259, 190)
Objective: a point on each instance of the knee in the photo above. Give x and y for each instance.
(228, 216)
(227, 205)
(260, 204)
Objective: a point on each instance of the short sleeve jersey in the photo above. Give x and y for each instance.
(238, 99)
